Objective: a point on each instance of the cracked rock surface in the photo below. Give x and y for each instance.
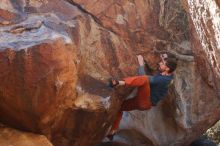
(12, 137)
(56, 57)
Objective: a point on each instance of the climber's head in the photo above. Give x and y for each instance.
(171, 63)
(167, 64)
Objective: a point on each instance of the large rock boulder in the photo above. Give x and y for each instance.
(12, 137)
(179, 120)
(205, 37)
(213, 133)
(54, 62)
(147, 27)
(192, 105)
(56, 56)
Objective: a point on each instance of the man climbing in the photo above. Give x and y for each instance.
(151, 89)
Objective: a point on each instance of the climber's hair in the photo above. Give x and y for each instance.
(172, 64)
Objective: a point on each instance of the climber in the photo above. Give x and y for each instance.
(151, 89)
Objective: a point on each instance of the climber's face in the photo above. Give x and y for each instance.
(162, 66)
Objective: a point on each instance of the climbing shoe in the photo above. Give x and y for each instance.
(110, 137)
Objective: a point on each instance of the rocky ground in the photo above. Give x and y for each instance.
(214, 133)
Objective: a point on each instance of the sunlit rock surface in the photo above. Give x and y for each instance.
(214, 133)
(57, 55)
(12, 137)
(147, 26)
(205, 26)
(196, 102)
(55, 61)
(183, 116)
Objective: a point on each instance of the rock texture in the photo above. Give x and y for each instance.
(213, 133)
(206, 36)
(11, 137)
(183, 116)
(56, 56)
(195, 106)
(147, 26)
(55, 61)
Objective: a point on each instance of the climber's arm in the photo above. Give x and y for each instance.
(141, 71)
(142, 66)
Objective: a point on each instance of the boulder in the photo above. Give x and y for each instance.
(55, 62)
(12, 137)
(56, 57)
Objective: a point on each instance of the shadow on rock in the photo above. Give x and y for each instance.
(113, 144)
(203, 141)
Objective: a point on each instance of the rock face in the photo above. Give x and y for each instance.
(56, 56)
(213, 133)
(11, 137)
(206, 35)
(184, 114)
(195, 107)
(54, 60)
(147, 26)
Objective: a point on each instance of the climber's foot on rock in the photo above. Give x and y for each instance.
(111, 135)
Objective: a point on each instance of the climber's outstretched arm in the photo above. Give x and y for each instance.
(141, 69)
